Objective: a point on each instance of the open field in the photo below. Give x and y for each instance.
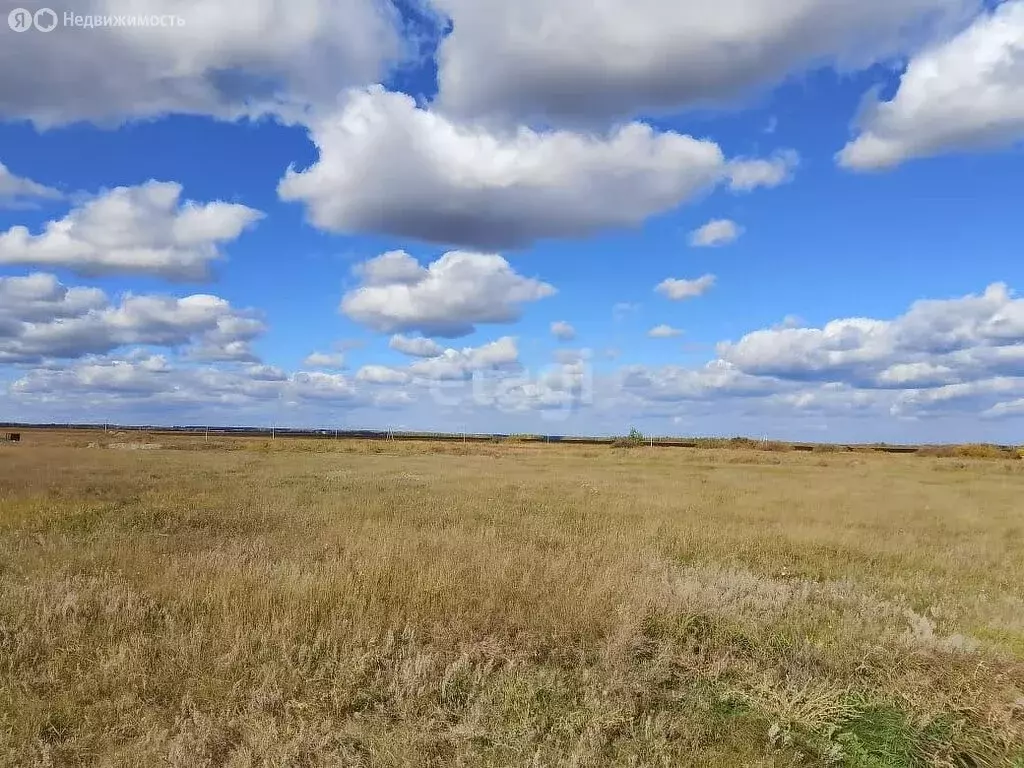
(172, 601)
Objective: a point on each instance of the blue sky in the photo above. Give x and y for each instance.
(328, 213)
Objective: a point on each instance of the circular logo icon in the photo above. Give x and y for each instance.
(45, 19)
(20, 20)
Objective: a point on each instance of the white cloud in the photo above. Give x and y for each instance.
(746, 175)
(1006, 409)
(324, 360)
(40, 318)
(561, 388)
(971, 397)
(229, 59)
(415, 347)
(572, 60)
(563, 331)
(381, 374)
(960, 358)
(140, 230)
(457, 364)
(317, 385)
(942, 358)
(221, 352)
(19, 192)
(715, 233)
(42, 298)
(664, 332)
(391, 268)
(265, 373)
(388, 166)
(965, 93)
(449, 298)
(937, 342)
(678, 290)
(119, 383)
(673, 384)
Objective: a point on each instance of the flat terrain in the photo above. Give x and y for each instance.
(171, 601)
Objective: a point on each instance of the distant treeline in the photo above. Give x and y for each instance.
(666, 442)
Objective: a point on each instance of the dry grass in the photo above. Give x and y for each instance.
(253, 602)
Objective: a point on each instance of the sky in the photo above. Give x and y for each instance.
(798, 219)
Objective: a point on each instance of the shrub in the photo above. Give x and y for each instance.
(523, 438)
(634, 440)
(829, 448)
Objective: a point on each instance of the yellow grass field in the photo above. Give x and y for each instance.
(247, 602)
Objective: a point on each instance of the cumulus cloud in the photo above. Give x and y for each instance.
(317, 385)
(570, 60)
(221, 352)
(120, 381)
(122, 378)
(963, 94)
(381, 374)
(139, 230)
(937, 342)
(943, 358)
(715, 233)
(718, 378)
(563, 331)
(1006, 409)
(678, 290)
(391, 268)
(40, 318)
(389, 166)
(43, 298)
(324, 360)
(458, 364)
(664, 332)
(415, 347)
(449, 298)
(750, 174)
(980, 398)
(228, 59)
(19, 192)
(265, 373)
(563, 388)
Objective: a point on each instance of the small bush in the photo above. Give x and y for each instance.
(634, 439)
(829, 448)
(522, 438)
